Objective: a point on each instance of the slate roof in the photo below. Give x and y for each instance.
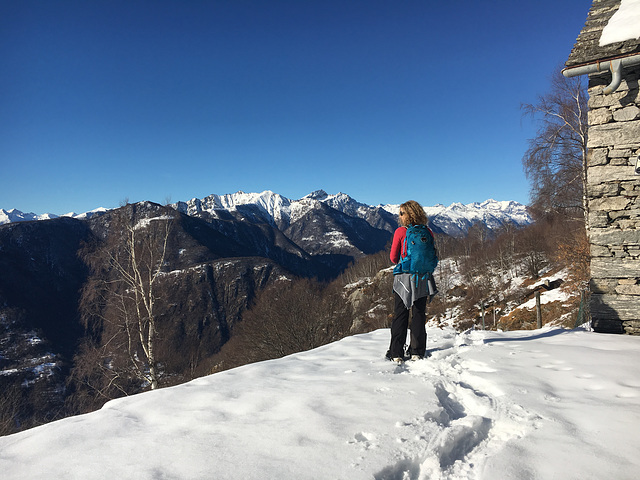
(586, 49)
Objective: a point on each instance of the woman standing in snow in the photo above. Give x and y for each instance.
(409, 292)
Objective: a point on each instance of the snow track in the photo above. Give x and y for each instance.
(471, 420)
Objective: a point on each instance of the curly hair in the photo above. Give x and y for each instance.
(413, 214)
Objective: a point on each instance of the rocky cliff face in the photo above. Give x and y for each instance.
(40, 281)
(42, 276)
(211, 272)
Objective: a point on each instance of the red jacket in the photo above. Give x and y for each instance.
(397, 250)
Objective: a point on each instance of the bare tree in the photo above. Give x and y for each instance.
(119, 306)
(139, 268)
(11, 404)
(533, 247)
(288, 317)
(556, 160)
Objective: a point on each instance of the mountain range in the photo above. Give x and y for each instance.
(281, 212)
(58, 278)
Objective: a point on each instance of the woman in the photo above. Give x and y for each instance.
(410, 292)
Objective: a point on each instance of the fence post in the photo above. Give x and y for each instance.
(582, 314)
(483, 316)
(538, 309)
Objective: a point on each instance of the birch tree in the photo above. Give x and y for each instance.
(120, 304)
(556, 160)
(139, 267)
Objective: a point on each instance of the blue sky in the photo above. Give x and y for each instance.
(107, 101)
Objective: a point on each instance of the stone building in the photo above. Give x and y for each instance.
(608, 51)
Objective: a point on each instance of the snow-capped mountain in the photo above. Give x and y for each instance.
(13, 215)
(282, 212)
(456, 219)
(269, 206)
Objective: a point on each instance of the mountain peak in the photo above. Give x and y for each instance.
(317, 195)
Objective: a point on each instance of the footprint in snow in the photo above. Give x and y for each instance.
(364, 440)
(556, 365)
(469, 424)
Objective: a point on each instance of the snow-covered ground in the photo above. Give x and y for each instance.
(540, 404)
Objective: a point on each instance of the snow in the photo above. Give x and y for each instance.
(623, 25)
(13, 215)
(456, 219)
(337, 239)
(278, 210)
(271, 204)
(541, 404)
(555, 295)
(86, 215)
(145, 222)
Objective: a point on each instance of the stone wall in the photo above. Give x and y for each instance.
(613, 191)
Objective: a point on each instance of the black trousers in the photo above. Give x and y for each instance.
(400, 324)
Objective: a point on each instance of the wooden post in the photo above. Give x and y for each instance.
(538, 309)
(482, 315)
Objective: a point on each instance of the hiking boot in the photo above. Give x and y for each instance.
(416, 357)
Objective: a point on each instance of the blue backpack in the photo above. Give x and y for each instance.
(422, 258)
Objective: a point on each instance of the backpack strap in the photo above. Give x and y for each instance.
(403, 249)
(418, 277)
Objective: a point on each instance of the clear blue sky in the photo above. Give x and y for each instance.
(103, 101)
